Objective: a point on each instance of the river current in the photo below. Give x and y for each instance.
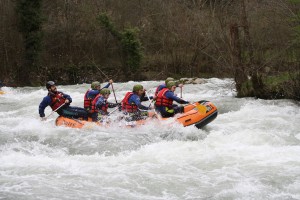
(250, 151)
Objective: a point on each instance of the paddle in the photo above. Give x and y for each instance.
(54, 111)
(113, 110)
(180, 92)
(112, 87)
(150, 105)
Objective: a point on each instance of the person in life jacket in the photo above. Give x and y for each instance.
(164, 85)
(131, 104)
(164, 102)
(100, 105)
(92, 93)
(60, 102)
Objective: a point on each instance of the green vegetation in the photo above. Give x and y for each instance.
(250, 41)
(30, 26)
(130, 45)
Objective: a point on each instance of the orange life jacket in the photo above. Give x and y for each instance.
(162, 100)
(57, 100)
(126, 106)
(94, 108)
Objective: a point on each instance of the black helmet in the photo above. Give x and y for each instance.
(49, 84)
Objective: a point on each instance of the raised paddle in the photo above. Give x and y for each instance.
(180, 92)
(112, 87)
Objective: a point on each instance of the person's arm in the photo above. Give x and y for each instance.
(108, 84)
(112, 105)
(136, 100)
(145, 98)
(92, 93)
(171, 95)
(68, 97)
(100, 102)
(45, 102)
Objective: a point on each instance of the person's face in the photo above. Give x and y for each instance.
(106, 96)
(98, 87)
(173, 88)
(53, 88)
(140, 92)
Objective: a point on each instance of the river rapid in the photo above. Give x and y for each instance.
(250, 151)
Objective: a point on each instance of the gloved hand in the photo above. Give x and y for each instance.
(184, 102)
(120, 106)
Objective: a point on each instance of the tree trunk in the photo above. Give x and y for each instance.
(239, 70)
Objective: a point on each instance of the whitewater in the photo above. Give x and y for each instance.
(250, 151)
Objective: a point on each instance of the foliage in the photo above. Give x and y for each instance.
(129, 43)
(30, 25)
(131, 47)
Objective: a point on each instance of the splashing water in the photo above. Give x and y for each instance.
(250, 151)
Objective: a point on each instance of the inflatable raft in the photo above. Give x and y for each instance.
(198, 114)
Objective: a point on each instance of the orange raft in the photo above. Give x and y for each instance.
(198, 114)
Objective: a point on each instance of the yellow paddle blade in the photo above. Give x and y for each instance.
(201, 108)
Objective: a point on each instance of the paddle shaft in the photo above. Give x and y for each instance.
(112, 87)
(150, 105)
(180, 92)
(55, 110)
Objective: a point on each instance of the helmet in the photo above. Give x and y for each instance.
(95, 84)
(137, 87)
(169, 79)
(105, 91)
(49, 84)
(170, 84)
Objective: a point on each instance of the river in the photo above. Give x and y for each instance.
(250, 151)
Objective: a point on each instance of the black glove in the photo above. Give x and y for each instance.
(112, 105)
(120, 106)
(184, 102)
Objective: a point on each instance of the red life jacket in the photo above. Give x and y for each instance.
(162, 100)
(94, 108)
(57, 100)
(126, 106)
(87, 102)
(157, 89)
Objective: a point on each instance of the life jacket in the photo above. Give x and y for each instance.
(162, 100)
(94, 108)
(159, 88)
(126, 106)
(87, 102)
(57, 100)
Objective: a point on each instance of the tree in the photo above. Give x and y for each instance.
(30, 26)
(130, 45)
